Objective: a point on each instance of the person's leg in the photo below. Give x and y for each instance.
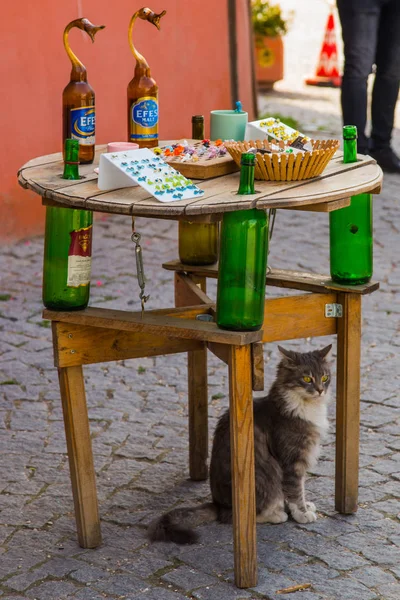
(387, 79)
(359, 21)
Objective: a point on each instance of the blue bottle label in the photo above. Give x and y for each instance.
(83, 124)
(144, 119)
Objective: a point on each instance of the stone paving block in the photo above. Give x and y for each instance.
(159, 593)
(389, 591)
(188, 579)
(383, 555)
(50, 590)
(88, 594)
(123, 585)
(220, 591)
(330, 527)
(56, 567)
(372, 577)
(342, 588)
(88, 575)
(307, 595)
(377, 415)
(278, 559)
(214, 563)
(269, 583)
(315, 573)
(390, 507)
(145, 565)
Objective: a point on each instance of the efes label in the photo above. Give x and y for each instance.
(144, 119)
(83, 123)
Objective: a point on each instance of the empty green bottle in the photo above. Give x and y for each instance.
(198, 242)
(67, 248)
(243, 261)
(350, 229)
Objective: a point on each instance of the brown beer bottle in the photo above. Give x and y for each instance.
(79, 113)
(143, 91)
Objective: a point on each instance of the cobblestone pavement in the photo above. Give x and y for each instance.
(138, 417)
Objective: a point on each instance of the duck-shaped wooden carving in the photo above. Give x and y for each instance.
(79, 116)
(143, 91)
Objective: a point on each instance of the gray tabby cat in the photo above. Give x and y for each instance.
(288, 424)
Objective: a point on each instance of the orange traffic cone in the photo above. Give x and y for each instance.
(327, 70)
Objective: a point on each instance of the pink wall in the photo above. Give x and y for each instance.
(189, 58)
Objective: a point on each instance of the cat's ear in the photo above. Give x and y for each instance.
(288, 354)
(325, 352)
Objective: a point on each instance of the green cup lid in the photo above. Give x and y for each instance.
(248, 158)
(349, 132)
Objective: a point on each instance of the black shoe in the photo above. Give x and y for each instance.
(388, 161)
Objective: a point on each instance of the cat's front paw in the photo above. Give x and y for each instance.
(311, 506)
(309, 516)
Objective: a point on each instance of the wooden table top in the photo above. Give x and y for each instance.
(337, 183)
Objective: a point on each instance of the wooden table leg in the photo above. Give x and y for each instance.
(198, 414)
(80, 456)
(348, 403)
(242, 464)
(197, 394)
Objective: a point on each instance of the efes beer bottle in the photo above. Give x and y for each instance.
(79, 112)
(143, 92)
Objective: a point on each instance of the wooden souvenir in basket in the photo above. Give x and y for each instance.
(282, 166)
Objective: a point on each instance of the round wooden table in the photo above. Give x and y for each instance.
(97, 335)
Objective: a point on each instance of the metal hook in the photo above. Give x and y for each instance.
(136, 237)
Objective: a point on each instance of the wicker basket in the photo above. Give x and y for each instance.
(286, 167)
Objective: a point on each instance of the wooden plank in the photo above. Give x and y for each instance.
(323, 207)
(57, 157)
(267, 192)
(221, 351)
(83, 345)
(80, 456)
(188, 292)
(45, 173)
(348, 404)
(335, 187)
(294, 317)
(242, 465)
(220, 192)
(308, 282)
(154, 324)
(257, 366)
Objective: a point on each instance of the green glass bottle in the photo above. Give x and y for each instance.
(67, 248)
(198, 242)
(350, 229)
(243, 261)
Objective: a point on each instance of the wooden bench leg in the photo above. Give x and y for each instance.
(242, 464)
(80, 456)
(198, 414)
(197, 391)
(348, 403)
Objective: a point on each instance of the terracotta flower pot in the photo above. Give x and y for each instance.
(269, 60)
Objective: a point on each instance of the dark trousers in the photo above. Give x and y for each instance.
(371, 35)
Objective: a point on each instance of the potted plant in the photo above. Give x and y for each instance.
(269, 27)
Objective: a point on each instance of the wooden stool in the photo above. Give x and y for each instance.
(98, 335)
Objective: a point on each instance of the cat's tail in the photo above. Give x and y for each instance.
(177, 525)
